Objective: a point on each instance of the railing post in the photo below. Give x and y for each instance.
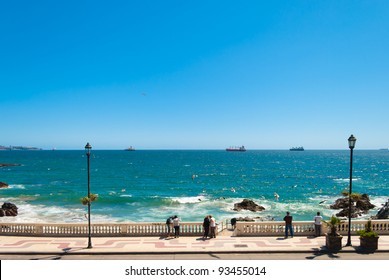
(38, 229)
(123, 230)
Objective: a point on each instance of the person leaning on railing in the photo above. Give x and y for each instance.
(318, 220)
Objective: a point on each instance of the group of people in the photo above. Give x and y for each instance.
(289, 229)
(209, 226)
(173, 222)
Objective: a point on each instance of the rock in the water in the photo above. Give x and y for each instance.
(359, 205)
(364, 203)
(247, 204)
(355, 212)
(245, 219)
(8, 209)
(3, 185)
(340, 203)
(383, 213)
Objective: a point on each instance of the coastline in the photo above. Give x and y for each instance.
(8, 164)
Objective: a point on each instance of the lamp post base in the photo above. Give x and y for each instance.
(348, 242)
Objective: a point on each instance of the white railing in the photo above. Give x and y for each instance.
(304, 228)
(186, 229)
(75, 230)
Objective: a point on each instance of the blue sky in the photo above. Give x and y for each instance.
(194, 74)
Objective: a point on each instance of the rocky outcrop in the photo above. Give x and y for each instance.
(364, 203)
(383, 213)
(245, 219)
(3, 185)
(359, 205)
(8, 209)
(340, 203)
(247, 204)
(355, 212)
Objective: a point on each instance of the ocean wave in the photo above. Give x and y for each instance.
(378, 201)
(341, 180)
(28, 213)
(126, 195)
(16, 186)
(188, 199)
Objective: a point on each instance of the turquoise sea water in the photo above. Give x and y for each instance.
(152, 185)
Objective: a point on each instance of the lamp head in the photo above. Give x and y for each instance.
(351, 142)
(88, 147)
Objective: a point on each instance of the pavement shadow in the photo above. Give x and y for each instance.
(202, 239)
(322, 252)
(166, 237)
(55, 257)
(359, 250)
(312, 237)
(65, 251)
(214, 256)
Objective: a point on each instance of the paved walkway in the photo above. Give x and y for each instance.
(182, 245)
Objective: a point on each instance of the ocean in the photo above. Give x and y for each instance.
(151, 185)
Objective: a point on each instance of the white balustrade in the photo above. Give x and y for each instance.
(303, 228)
(274, 228)
(74, 230)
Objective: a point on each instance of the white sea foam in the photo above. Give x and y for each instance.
(17, 186)
(125, 195)
(378, 201)
(28, 213)
(189, 199)
(341, 180)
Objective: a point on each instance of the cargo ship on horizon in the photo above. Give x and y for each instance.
(236, 149)
(297, 149)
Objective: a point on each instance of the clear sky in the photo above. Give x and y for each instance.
(194, 74)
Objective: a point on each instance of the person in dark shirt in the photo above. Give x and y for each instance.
(233, 223)
(206, 225)
(288, 225)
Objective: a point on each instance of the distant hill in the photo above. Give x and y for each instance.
(18, 148)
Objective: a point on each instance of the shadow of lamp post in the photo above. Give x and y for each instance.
(351, 145)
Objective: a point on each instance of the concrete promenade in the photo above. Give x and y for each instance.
(19, 245)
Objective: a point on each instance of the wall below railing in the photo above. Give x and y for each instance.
(100, 230)
(302, 228)
(305, 228)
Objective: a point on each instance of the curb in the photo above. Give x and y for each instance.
(321, 251)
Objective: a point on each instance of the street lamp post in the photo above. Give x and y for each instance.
(88, 148)
(351, 145)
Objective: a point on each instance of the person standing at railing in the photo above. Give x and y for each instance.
(318, 220)
(176, 224)
(169, 226)
(233, 223)
(213, 226)
(206, 225)
(288, 225)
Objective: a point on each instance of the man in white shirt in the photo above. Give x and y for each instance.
(176, 224)
(318, 220)
(212, 226)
